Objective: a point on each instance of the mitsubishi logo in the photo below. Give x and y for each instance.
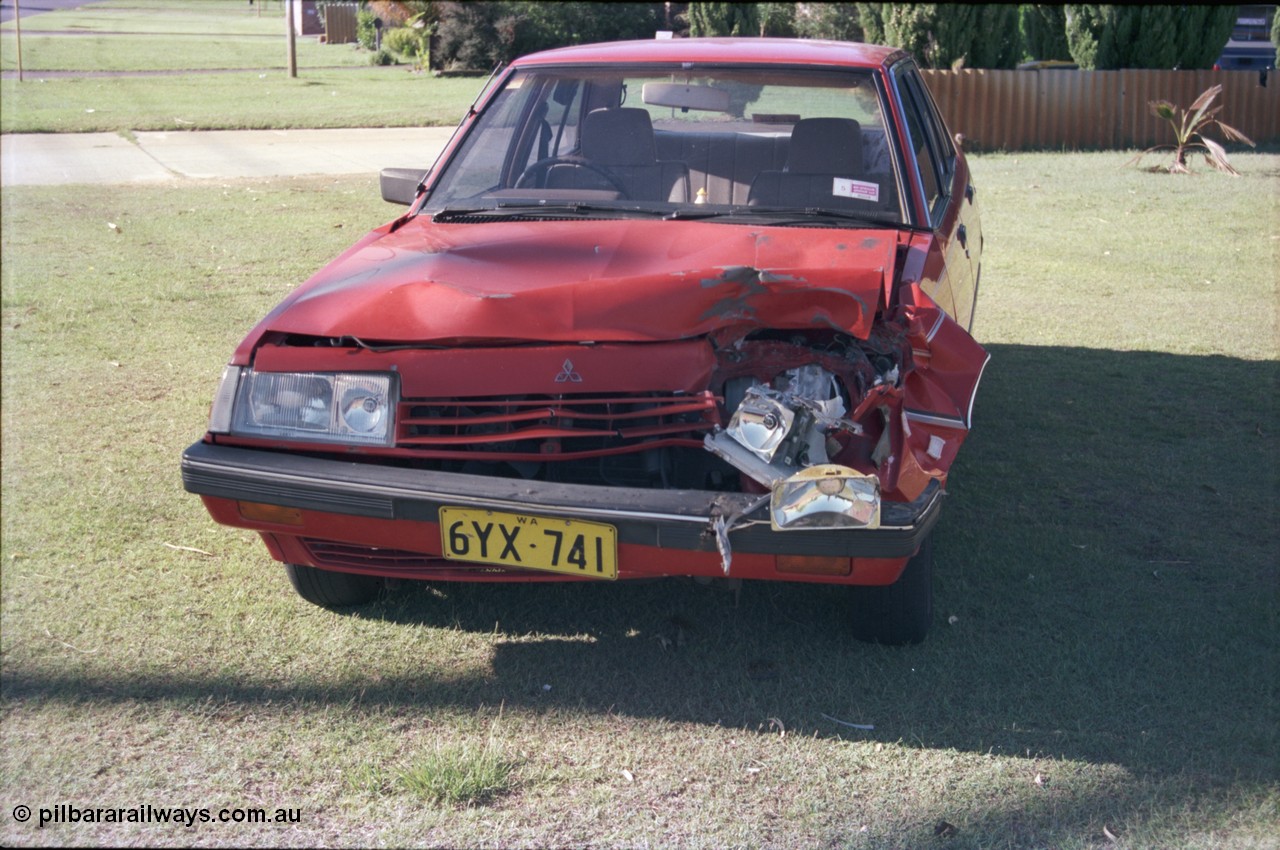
(567, 374)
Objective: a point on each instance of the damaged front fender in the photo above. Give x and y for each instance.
(829, 468)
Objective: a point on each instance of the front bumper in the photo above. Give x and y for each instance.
(669, 520)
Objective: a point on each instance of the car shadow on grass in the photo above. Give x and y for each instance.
(1105, 591)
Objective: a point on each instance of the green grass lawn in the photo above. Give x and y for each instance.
(127, 35)
(168, 51)
(1103, 659)
(165, 17)
(245, 84)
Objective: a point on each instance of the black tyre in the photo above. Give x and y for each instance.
(899, 613)
(329, 589)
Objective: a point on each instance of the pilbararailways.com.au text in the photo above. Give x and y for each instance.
(67, 813)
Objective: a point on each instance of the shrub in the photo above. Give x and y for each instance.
(1188, 125)
(366, 29)
(406, 41)
(476, 35)
(382, 56)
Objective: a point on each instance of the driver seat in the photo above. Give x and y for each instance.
(620, 143)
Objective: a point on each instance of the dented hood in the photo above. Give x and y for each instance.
(608, 280)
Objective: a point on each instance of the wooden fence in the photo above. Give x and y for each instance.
(340, 23)
(1106, 110)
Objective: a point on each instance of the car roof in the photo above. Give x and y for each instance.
(721, 51)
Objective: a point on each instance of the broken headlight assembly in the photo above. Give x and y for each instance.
(326, 407)
(826, 496)
(778, 437)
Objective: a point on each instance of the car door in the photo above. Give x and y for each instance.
(962, 204)
(943, 180)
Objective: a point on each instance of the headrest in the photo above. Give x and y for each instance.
(618, 137)
(825, 146)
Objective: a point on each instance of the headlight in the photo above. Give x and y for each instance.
(826, 497)
(761, 422)
(344, 407)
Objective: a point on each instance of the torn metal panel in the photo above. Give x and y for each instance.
(936, 407)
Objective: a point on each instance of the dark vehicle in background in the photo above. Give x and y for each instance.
(1250, 47)
(670, 308)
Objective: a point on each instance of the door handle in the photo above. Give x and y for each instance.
(962, 236)
(968, 192)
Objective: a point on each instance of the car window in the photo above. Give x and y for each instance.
(934, 152)
(480, 160)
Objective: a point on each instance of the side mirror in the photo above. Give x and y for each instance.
(401, 185)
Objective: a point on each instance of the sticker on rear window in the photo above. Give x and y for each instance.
(845, 188)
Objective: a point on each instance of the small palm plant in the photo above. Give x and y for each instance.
(1188, 129)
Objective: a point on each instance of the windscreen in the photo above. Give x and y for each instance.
(664, 140)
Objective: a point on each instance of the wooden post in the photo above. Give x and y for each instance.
(293, 47)
(17, 26)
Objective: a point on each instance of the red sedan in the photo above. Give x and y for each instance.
(694, 307)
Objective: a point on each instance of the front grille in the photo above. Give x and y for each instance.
(327, 553)
(553, 428)
(374, 560)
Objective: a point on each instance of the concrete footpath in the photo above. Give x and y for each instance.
(68, 158)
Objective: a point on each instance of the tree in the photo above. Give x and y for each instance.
(871, 20)
(1213, 24)
(835, 21)
(1085, 25)
(777, 19)
(1275, 37)
(997, 42)
(400, 12)
(476, 35)
(479, 34)
(734, 19)
(945, 35)
(910, 26)
(1105, 36)
(1043, 29)
(547, 25)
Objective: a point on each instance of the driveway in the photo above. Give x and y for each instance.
(48, 159)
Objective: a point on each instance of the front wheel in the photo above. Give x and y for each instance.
(330, 589)
(899, 613)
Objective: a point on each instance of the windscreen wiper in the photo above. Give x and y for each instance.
(787, 215)
(507, 211)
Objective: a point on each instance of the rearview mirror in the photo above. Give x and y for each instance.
(684, 96)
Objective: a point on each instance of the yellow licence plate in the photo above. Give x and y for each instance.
(568, 546)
